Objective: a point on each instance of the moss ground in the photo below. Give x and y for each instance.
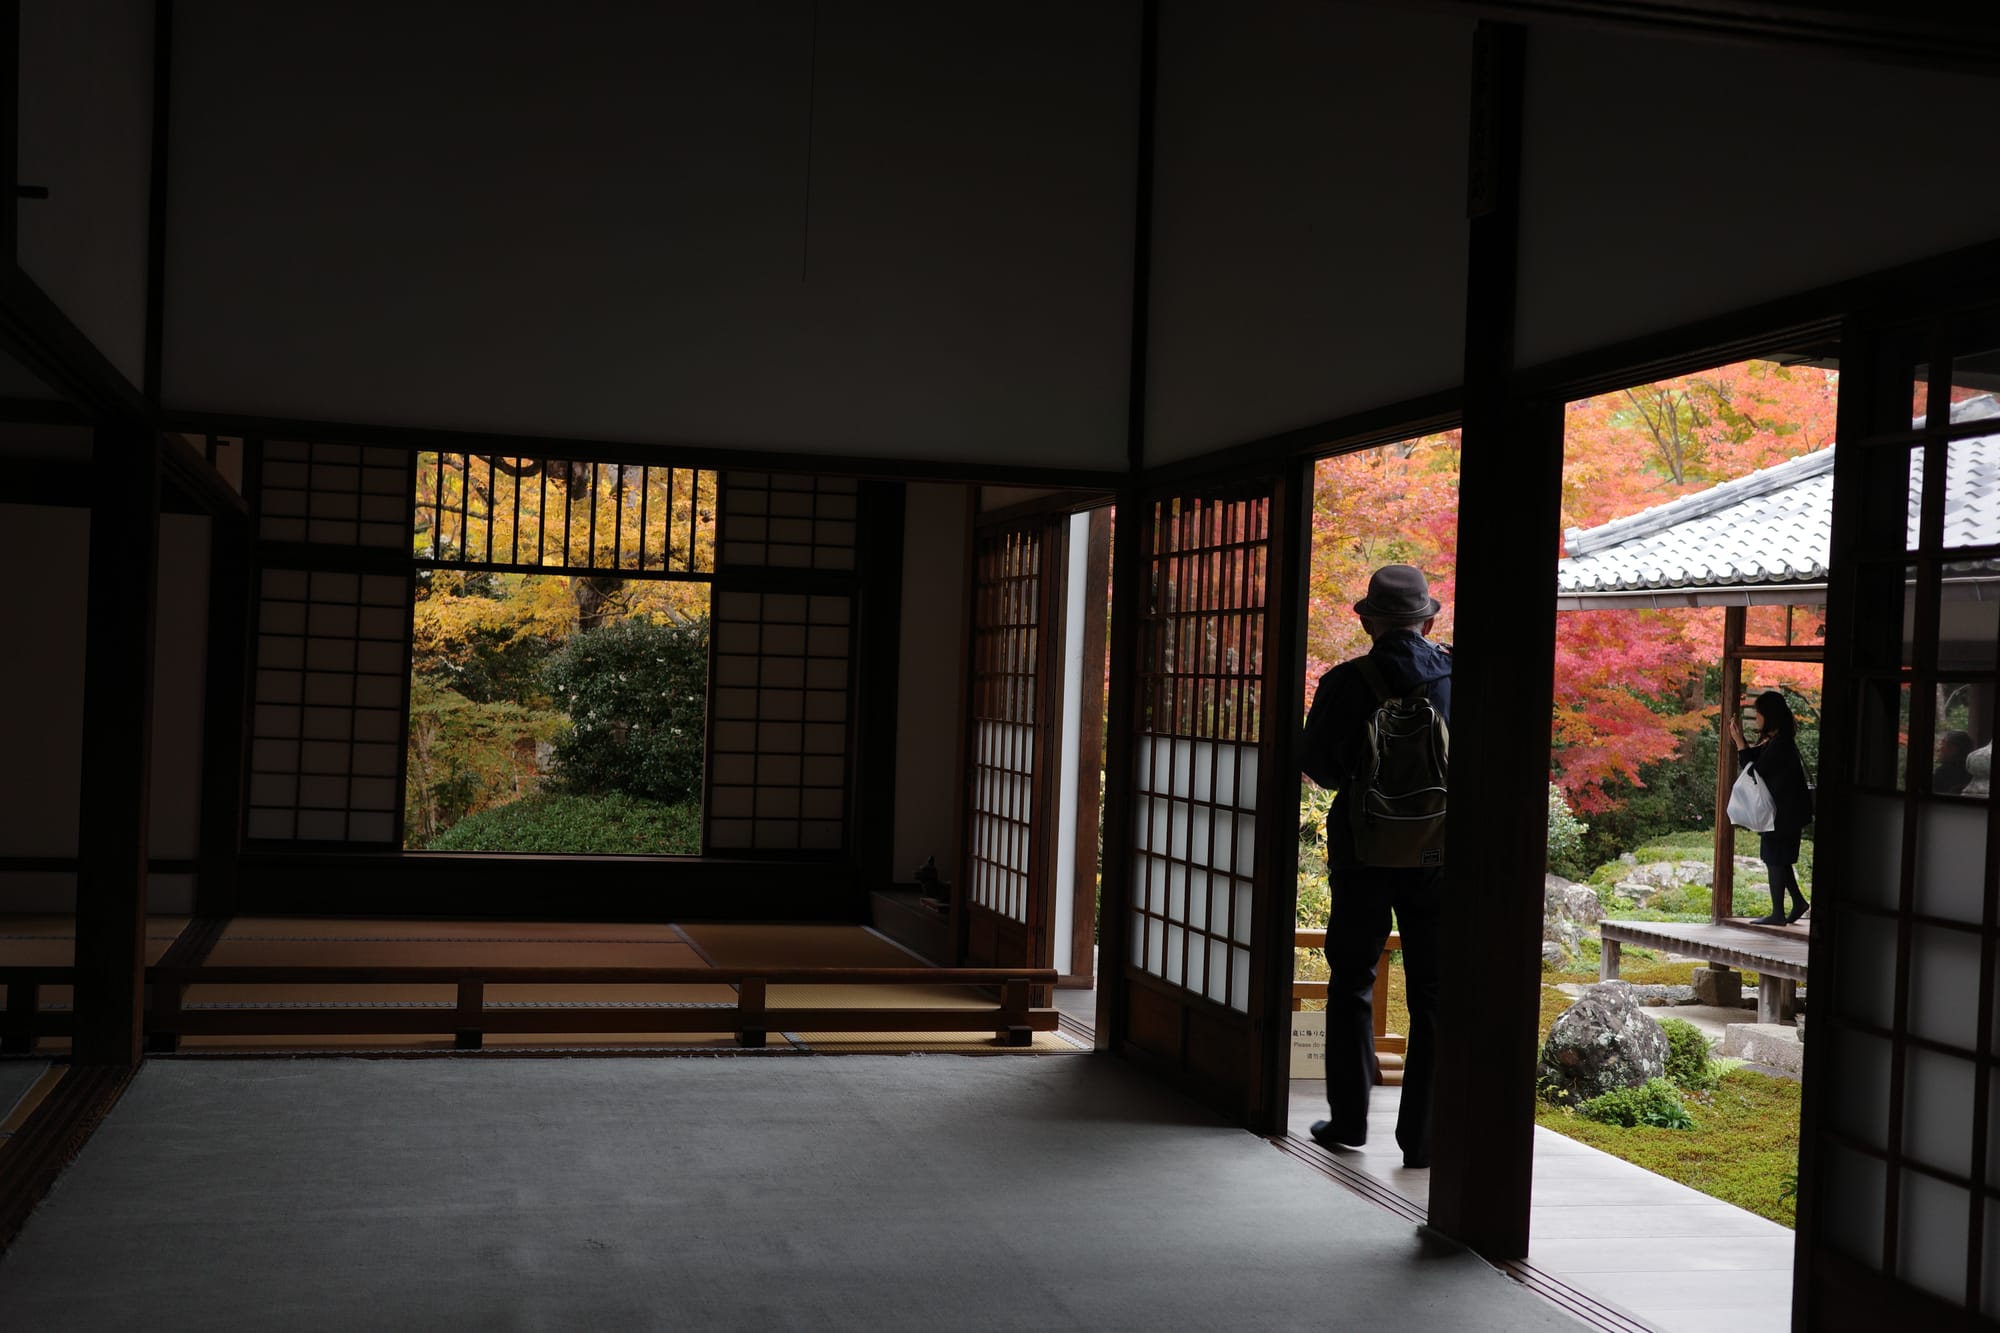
(1745, 1142)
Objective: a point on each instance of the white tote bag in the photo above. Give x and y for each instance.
(1750, 804)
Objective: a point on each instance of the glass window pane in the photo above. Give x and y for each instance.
(1931, 1246)
(1877, 846)
(1937, 1110)
(1951, 860)
(1989, 1284)
(1867, 989)
(1885, 628)
(1975, 369)
(1852, 1200)
(1882, 734)
(1861, 1086)
(1944, 985)
(1972, 471)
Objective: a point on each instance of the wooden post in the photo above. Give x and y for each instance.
(752, 1021)
(23, 997)
(1014, 1029)
(224, 718)
(468, 1025)
(1510, 492)
(117, 746)
(1722, 896)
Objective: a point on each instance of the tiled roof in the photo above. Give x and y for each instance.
(1764, 537)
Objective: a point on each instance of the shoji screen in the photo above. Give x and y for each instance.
(781, 673)
(1904, 1182)
(1010, 833)
(332, 648)
(1201, 700)
(1208, 803)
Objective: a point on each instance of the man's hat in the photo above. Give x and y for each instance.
(1398, 593)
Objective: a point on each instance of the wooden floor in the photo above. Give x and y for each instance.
(353, 942)
(1667, 1257)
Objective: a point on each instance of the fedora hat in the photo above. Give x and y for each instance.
(1398, 593)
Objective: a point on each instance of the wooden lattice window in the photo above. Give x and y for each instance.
(564, 516)
(1201, 683)
(1009, 722)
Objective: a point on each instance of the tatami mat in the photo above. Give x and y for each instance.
(356, 942)
(797, 946)
(353, 928)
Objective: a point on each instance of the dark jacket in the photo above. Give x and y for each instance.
(1333, 746)
(1780, 769)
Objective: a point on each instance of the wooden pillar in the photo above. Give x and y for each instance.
(1502, 700)
(1722, 897)
(877, 659)
(117, 746)
(224, 718)
(1115, 923)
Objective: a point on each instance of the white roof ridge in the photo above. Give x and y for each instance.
(1582, 541)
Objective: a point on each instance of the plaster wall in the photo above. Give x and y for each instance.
(937, 528)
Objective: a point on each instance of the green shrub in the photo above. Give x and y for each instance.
(1314, 900)
(637, 694)
(1688, 1062)
(607, 825)
(1656, 1103)
(1565, 838)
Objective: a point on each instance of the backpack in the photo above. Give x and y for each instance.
(1398, 803)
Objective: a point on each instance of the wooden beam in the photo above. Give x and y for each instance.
(879, 628)
(117, 746)
(1946, 34)
(1722, 894)
(1273, 957)
(1502, 698)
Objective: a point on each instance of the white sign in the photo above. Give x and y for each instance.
(1309, 1045)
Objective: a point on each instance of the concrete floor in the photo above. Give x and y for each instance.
(1673, 1258)
(923, 1192)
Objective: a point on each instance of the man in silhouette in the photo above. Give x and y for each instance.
(1398, 613)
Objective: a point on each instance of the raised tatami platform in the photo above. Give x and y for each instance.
(293, 942)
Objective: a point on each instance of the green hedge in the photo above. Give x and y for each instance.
(610, 824)
(636, 693)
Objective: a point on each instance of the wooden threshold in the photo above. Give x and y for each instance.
(50, 1138)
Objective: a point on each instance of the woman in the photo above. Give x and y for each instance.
(1776, 755)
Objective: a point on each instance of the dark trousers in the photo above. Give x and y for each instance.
(1358, 926)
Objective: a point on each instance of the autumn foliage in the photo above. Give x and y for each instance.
(1628, 683)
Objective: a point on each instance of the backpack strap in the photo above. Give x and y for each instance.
(1372, 673)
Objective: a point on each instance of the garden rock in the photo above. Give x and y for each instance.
(1602, 1043)
(1569, 910)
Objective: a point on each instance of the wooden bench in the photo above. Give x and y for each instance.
(1389, 1046)
(1778, 960)
(1012, 1018)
